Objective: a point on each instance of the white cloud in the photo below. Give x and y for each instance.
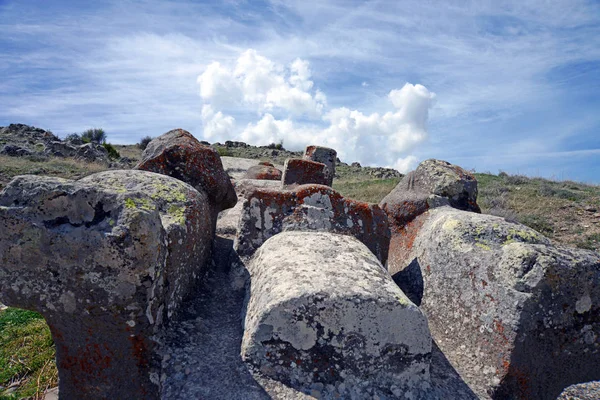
(216, 125)
(218, 85)
(263, 84)
(385, 138)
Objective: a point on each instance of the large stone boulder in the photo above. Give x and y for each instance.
(433, 184)
(267, 212)
(517, 317)
(325, 156)
(107, 260)
(331, 320)
(179, 154)
(297, 171)
(263, 171)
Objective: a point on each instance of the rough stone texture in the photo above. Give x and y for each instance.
(229, 220)
(263, 172)
(297, 171)
(331, 318)
(107, 260)
(180, 155)
(325, 156)
(517, 317)
(267, 212)
(92, 152)
(411, 197)
(582, 391)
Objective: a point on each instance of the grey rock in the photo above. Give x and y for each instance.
(15, 151)
(581, 391)
(92, 152)
(266, 212)
(325, 156)
(439, 178)
(58, 148)
(297, 171)
(516, 316)
(179, 154)
(108, 261)
(331, 315)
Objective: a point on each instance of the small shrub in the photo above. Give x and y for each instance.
(538, 223)
(276, 146)
(143, 143)
(516, 179)
(591, 242)
(95, 135)
(74, 138)
(548, 190)
(113, 154)
(223, 152)
(503, 174)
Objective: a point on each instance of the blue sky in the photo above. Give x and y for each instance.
(489, 85)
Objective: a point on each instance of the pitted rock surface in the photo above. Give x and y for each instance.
(267, 212)
(331, 317)
(180, 155)
(263, 172)
(517, 317)
(107, 260)
(297, 171)
(325, 156)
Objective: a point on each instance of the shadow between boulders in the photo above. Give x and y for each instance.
(547, 359)
(410, 280)
(202, 346)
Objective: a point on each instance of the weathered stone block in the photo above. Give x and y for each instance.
(331, 317)
(433, 184)
(179, 154)
(263, 172)
(517, 317)
(325, 156)
(297, 171)
(107, 260)
(267, 212)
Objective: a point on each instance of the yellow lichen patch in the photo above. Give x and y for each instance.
(483, 246)
(178, 213)
(142, 204)
(170, 193)
(451, 224)
(516, 235)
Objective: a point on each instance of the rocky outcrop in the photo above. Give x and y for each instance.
(107, 260)
(180, 155)
(297, 171)
(263, 171)
(331, 321)
(26, 140)
(267, 212)
(325, 156)
(517, 317)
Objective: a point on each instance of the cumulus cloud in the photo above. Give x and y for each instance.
(386, 138)
(216, 124)
(262, 84)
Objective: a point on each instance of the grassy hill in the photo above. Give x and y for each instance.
(567, 212)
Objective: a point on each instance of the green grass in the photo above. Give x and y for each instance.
(590, 242)
(26, 354)
(60, 167)
(371, 191)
